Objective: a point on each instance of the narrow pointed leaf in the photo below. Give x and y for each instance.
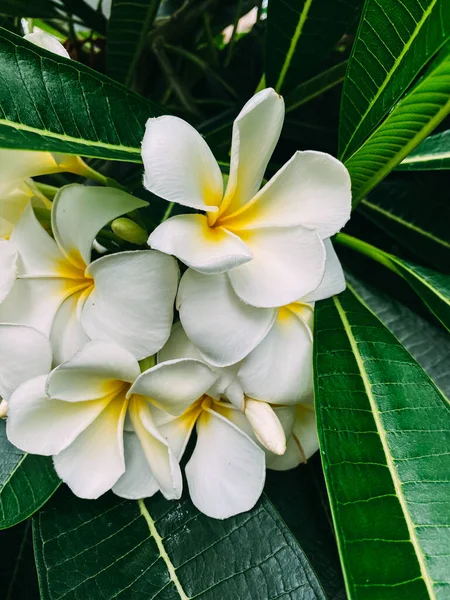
(412, 119)
(128, 27)
(24, 8)
(26, 482)
(395, 40)
(51, 103)
(432, 154)
(384, 431)
(300, 40)
(113, 548)
(314, 87)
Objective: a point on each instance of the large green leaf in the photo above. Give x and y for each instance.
(111, 548)
(398, 208)
(432, 154)
(394, 42)
(128, 27)
(299, 38)
(50, 103)
(432, 287)
(384, 431)
(25, 8)
(18, 578)
(412, 119)
(26, 482)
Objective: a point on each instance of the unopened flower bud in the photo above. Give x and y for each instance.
(128, 230)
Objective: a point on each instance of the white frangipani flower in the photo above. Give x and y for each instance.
(269, 241)
(125, 297)
(226, 330)
(93, 414)
(46, 41)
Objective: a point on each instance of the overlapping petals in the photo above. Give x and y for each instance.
(268, 242)
(126, 297)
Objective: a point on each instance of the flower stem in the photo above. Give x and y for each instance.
(168, 212)
(372, 252)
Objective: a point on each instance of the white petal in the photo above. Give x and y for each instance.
(137, 481)
(226, 472)
(25, 353)
(312, 189)
(132, 301)
(8, 268)
(179, 166)
(39, 425)
(17, 165)
(67, 335)
(280, 369)
(255, 135)
(78, 214)
(333, 281)
(305, 429)
(97, 370)
(288, 263)
(178, 346)
(266, 425)
(34, 302)
(199, 246)
(177, 431)
(12, 205)
(293, 455)
(93, 463)
(38, 252)
(46, 41)
(161, 459)
(174, 385)
(223, 328)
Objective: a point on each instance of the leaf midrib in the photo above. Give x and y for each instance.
(389, 75)
(162, 551)
(382, 435)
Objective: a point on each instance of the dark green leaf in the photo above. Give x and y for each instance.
(25, 8)
(50, 103)
(384, 430)
(26, 482)
(301, 35)
(128, 27)
(111, 547)
(18, 578)
(412, 119)
(316, 86)
(394, 42)
(432, 154)
(91, 18)
(398, 208)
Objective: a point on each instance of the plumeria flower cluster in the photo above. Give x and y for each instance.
(94, 371)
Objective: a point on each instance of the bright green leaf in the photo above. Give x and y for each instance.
(432, 287)
(316, 86)
(432, 154)
(413, 118)
(50, 103)
(384, 431)
(26, 482)
(395, 40)
(111, 548)
(128, 27)
(300, 38)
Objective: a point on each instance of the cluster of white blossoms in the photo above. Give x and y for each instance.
(93, 370)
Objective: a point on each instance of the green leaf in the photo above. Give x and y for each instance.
(50, 103)
(316, 86)
(111, 548)
(432, 154)
(26, 482)
(18, 578)
(398, 209)
(384, 431)
(128, 27)
(300, 40)
(91, 18)
(431, 286)
(426, 342)
(412, 119)
(395, 40)
(25, 8)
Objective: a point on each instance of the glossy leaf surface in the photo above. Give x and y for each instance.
(432, 154)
